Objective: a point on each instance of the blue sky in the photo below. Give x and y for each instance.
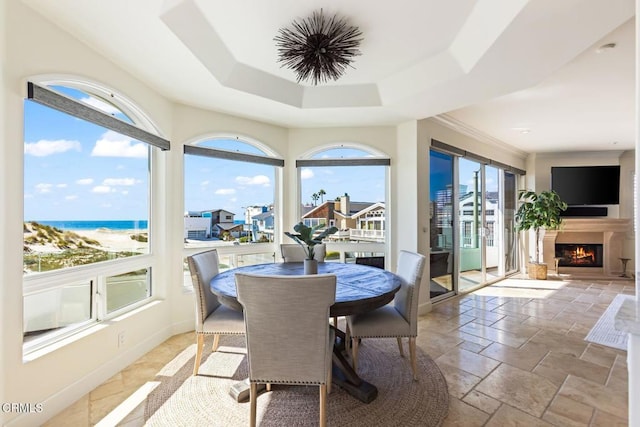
(213, 183)
(75, 170)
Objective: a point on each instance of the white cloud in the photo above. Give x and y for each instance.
(84, 181)
(44, 188)
(101, 105)
(204, 183)
(72, 197)
(102, 189)
(306, 174)
(124, 192)
(113, 144)
(61, 185)
(254, 180)
(44, 147)
(120, 181)
(225, 191)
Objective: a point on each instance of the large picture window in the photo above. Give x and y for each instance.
(346, 187)
(87, 193)
(229, 200)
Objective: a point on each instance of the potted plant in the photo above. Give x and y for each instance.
(305, 237)
(539, 211)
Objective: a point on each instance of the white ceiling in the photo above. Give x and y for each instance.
(490, 67)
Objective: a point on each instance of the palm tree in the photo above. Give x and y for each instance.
(321, 193)
(315, 198)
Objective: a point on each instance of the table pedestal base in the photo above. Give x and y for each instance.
(344, 375)
(355, 386)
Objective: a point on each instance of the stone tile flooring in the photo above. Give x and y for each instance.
(513, 354)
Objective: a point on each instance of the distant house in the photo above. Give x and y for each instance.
(262, 225)
(355, 220)
(209, 224)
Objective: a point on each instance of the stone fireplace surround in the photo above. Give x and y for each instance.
(610, 232)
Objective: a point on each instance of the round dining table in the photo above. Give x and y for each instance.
(359, 289)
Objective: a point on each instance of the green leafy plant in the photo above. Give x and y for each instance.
(305, 237)
(538, 211)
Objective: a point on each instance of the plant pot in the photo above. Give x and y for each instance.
(310, 266)
(537, 271)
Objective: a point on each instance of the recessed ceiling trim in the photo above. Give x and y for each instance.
(463, 128)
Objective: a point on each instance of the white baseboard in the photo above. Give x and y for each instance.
(67, 396)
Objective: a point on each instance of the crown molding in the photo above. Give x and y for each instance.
(463, 128)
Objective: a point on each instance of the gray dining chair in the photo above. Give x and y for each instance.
(293, 252)
(212, 318)
(397, 319)
(296, 351)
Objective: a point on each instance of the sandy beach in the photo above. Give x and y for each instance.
(109, 239)
(114, 240)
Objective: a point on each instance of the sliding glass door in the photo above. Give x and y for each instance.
(441, 219)
(473, 204)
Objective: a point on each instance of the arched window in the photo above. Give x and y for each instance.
(346, 186)
(87, 186)
(229, 198)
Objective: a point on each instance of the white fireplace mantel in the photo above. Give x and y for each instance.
(610, 232)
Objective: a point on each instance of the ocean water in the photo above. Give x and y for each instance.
(94, 225)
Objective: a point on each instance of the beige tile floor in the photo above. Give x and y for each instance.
(513, 354)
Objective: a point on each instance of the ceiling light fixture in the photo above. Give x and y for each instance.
(318, 48)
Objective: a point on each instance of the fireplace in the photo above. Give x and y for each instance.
(611, 233)
(579, 254)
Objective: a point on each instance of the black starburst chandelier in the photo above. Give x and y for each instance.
(318, 49)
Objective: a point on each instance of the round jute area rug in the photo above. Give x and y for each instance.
(184, 400)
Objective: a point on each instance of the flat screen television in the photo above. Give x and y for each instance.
(587, 185)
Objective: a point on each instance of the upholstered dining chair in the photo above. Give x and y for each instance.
(293, 252)
(397, 319)
(298, 351)
(212, 318)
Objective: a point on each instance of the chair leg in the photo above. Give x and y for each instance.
(268, 386)
(400, 347)
(412, 353)
(323, 405)
(355, 342)
(253, 397)
(200, 343)
(216, 343)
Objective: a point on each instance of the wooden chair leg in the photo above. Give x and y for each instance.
(355, 342)
(253, 397)
(199, 343)
(412, 353)
(323, 405)
(216, 343)
(400, 347)
(268, 386)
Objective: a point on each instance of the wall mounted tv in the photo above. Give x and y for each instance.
(587, 185)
